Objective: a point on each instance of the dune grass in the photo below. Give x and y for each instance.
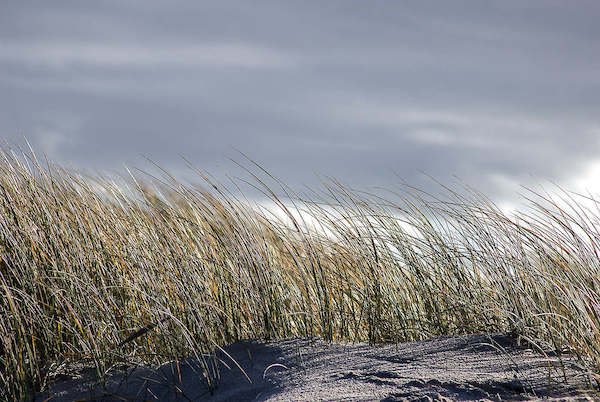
(104, 275)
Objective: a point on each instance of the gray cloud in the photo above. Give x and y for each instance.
(497, 93)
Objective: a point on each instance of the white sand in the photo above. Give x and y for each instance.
(451, 368)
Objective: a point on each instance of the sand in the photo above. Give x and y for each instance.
(448, 368)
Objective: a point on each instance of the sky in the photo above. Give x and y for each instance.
(374, 93)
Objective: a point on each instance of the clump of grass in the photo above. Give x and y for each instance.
(104, 274)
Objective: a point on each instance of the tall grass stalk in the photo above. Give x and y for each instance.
(97, 273)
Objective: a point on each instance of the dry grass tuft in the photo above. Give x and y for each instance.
(93, 272)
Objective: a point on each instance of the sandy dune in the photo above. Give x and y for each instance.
(451, 368)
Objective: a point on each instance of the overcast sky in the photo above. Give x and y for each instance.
(497, 93)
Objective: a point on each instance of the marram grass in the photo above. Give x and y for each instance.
(101, 275)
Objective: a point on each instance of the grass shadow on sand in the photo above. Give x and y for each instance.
(456, 368)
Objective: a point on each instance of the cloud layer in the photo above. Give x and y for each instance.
(497, 93)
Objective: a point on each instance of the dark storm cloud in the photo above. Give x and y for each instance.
(496, 93)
